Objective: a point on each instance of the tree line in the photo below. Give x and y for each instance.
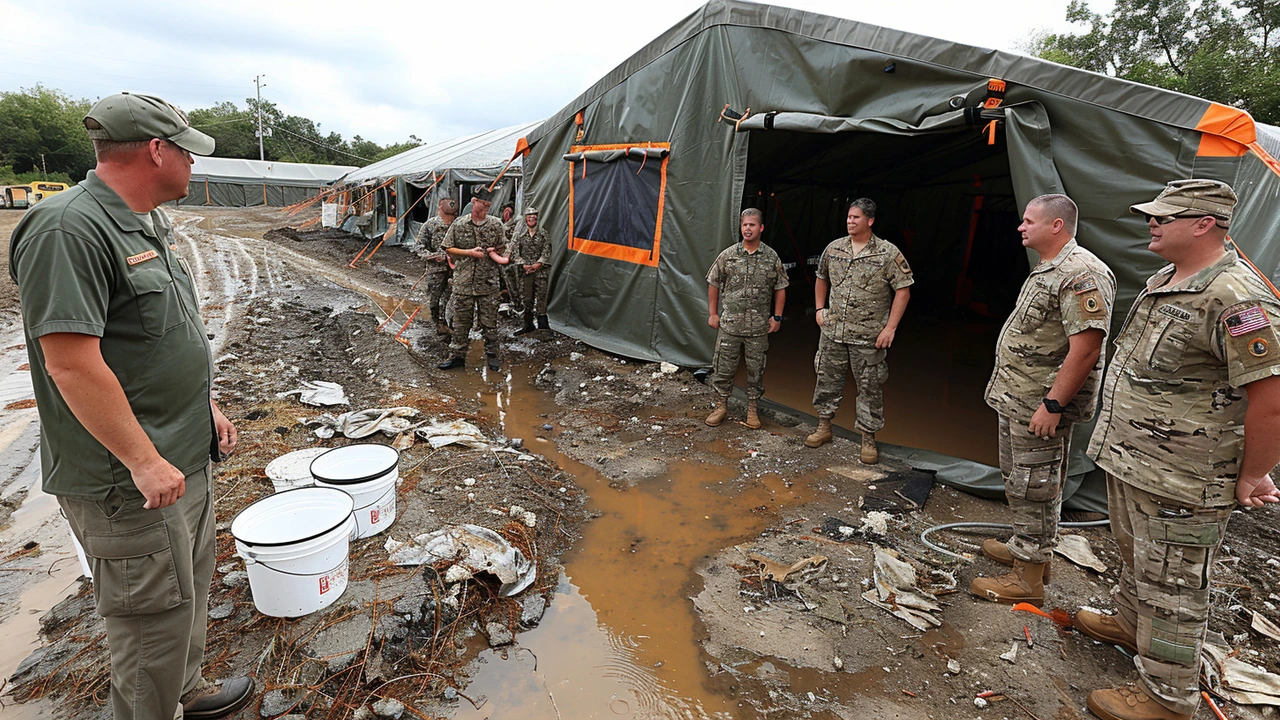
(41, 136)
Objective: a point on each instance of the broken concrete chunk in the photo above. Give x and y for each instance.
(953, 666)
(1012, 655)
(532, 608)
(498, 634)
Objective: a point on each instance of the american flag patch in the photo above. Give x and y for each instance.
(1247, 320)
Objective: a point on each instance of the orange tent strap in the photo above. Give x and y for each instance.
(1261, 275)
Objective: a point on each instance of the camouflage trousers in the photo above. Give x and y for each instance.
(534, 290)
(1168, 550)
(437, 283)
(729, 348)
(870, 371)
(513, 281)
(1033, 471)
(469, 310)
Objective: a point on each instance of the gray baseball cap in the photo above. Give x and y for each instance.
(129, 117)
(1192, 197)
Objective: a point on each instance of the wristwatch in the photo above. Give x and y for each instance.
(777, 318)
(1052, 406)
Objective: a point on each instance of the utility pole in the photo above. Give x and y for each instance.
(44, 169)
(257, 81)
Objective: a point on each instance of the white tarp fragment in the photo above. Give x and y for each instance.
(318, 393)
(363, 423)
(1076, 548)
(773, 570)
(473, 550)
(454, 432)
(1238, 680)
(1265, 626)
(897, 591)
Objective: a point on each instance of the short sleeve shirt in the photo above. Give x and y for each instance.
(862, 288)
(85, 264)
(1173, 408)
(475, 276)
(1065, 296)
(747, 282)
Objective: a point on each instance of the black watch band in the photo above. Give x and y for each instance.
(1052, 406)
(776, 317)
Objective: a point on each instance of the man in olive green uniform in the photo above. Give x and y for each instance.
(121, 369)
(746, 292)
(869, 284)
(1189, 429)
(475, 243)
(532, 257)
(1048, 370)
(430, 238)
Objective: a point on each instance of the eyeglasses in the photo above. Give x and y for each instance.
(185, 152)
(1166, 219)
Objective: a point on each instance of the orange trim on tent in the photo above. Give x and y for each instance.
(638, 256)
(1225, 132)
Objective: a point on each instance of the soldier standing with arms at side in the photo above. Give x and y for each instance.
(868, 281)
(430, 238)
(1048, 371)
(476, 244)
(1189, 429)
(532, 258)
(746, 292)
(512, 277)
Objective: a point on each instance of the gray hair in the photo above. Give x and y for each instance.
(111, 149)
(753, 212)
(866, 205)
(1061, 207)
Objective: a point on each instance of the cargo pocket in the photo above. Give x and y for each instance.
(1167, 353)
(156, 295)
(133, 571)
(1037, 475)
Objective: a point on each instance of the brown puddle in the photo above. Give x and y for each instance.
(621, 637)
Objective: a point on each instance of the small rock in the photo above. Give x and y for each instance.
(450, 694)
(953, 666)
(533, 606)
(516, 443)
(274, 703)
(469, 481)
(498, 634)
(547, 426)
(575, 356)
(838, 663)
(364, 713)
(980, 703)
(389, 708)
(221, 611)
(239, 578)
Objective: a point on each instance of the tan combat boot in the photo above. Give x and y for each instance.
(718, 415)
(1104, 628)
(870, 454)
(821, 436)
(753, 415)
(1024, 584)
(999, 552)
(1130, 702)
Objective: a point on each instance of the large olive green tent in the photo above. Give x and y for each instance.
(641, 178)
(235, 182)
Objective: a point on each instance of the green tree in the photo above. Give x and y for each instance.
(41, 130)
(1228, 53)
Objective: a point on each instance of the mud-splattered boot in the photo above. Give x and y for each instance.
(1024, 584)
(870, 454)
(998, 551)
(821, 436)
(1130, 702)
(753, 415)
(718, 415)
(528, 324)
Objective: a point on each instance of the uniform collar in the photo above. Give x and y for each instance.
(742, 248)
(1196, 283)
(1058, 259)
(875, 246)
(111, 202)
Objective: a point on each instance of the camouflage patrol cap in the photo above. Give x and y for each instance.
(482, 193)
(128, 117)
(530, 210)
(1192, 197)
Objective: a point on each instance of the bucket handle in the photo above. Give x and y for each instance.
(305, 575)
(381, 497)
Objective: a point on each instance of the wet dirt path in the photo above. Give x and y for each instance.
(621, 638)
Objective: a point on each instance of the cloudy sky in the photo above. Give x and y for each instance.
(386, 69)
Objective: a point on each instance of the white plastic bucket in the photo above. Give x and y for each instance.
(368, 473)
(295, 547)
(293, 470)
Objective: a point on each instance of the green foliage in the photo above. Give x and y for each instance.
(1228, 53)
(9, 177)
(40, 121)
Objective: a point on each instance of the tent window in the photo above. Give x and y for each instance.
(616, 195)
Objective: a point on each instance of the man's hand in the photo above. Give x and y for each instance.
(819, 314)
(477, 252)
(530, 269)
(160, 483)
(226, 431)
(1044, 424)
(1256, 492)
(774, 325)
(885, 339)
(714, 321)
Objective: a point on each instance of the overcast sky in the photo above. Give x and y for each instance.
(386, 69)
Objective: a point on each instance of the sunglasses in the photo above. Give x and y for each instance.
(1166, 219)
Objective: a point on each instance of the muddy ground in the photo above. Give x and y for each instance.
(568, 426)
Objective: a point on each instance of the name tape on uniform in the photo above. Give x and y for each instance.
(142, 257)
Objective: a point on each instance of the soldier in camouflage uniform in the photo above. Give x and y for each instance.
(428, 244)
(1189, 429)
(745, 297)
(869, 282)
(1047, 374)
(510, 278)
(531, 256)
(476, 245)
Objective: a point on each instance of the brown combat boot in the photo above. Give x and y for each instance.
(718, 415)
(1024, 584)
(753, 415)
(870, 454)
(1104, 628)
(998, 551)
(1130, 702)
(821, 436)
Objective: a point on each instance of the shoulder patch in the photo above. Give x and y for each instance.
(1259, 347)
(902, 264)
(1246, 320)
(1174, 311)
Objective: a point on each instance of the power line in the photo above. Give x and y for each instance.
(319, 144)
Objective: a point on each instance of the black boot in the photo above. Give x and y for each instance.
(494, 365)
(543, 323)
(528, 324)
(452, 363)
